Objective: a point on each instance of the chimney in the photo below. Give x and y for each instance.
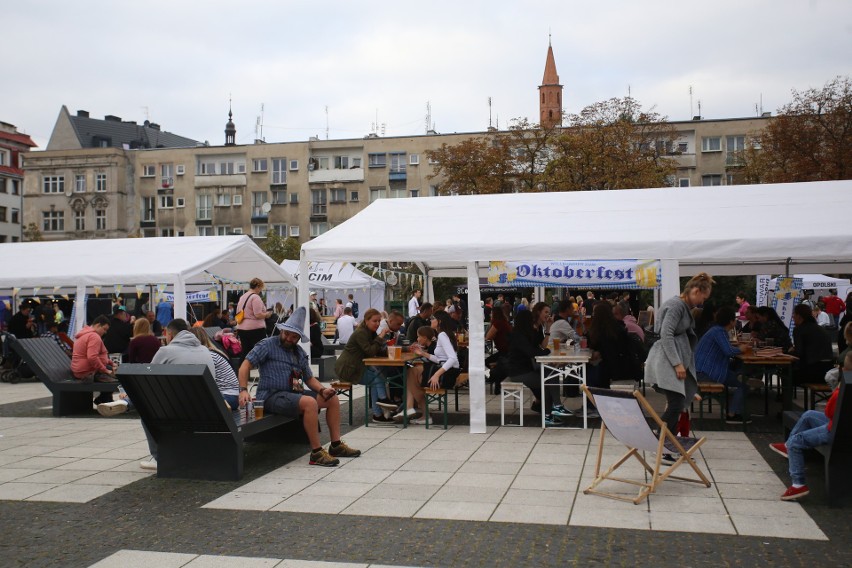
(112, 118)
(83, 113)
(153, 126)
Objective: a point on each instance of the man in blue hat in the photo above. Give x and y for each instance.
(287, 387)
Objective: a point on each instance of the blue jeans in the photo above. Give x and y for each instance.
(374, 379)
(809, 432)
(738, 395)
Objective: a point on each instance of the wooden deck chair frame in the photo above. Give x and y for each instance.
(666, 442)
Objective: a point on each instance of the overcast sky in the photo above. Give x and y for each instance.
(177, 62)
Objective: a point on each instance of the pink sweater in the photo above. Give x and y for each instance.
(89, 354)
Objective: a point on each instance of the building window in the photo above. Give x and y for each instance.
(279, 197)
(294, 231)
(100, 219)
(711, 144)
(167, 232)
(3, 185)
(356, 162)
(397, 162)
(258, 198)
(682, 147)
(53, 184)
(207, 168)
(149, 205)
(79, 220)
(15, 216)
(4, 159)
(80, 183)
(294, 199)
(3, 211)
(341, 162)
(280, 230)
(15, 187)
(735, 145)
(398, 192)
(100, 182)
(377, 160)
(204, 207)
(338, 196)
(318, 228)
(279, 172)
(223, 200)
(167, 201)
(223, 230)
(53, 221)
(226, 168)
(204, 231)
(683, 182)
(167, 171)
(259, 231)
(180, 169)
(353, 197)
(318, 202)
(414, 159)
(259, 165)
(149, 171)
(434, 191)
(711, 179)
(294, 165)
(377, 193)
(415, 193)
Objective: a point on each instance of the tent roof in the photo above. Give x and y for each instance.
(749, 229)
(136, 261)
(821, 281)
(333, 275)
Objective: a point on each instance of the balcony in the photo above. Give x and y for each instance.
(232, 180)
(258, 215)
(332, 176)
(396, 174)
(682, 160)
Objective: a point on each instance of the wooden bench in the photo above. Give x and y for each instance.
(708, 392)
(196, 434)
(814, 390)
(330, 329)
(440, 396)
(837, 453)
(53, 367)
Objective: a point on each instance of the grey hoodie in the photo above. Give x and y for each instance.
(185, 349)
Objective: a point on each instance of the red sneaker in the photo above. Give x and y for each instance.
(794, 493)
(780, 448)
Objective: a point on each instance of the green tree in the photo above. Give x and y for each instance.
(473, 166)
(612, 144)
(278, 248)
(809, 140)
(32, 233)
(292, 247)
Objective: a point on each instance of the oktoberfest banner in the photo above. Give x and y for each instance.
(624, 274)
(203, 296)
(787, 293)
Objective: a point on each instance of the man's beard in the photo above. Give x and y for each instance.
(290, 346)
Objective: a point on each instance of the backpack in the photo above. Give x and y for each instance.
(354, 309)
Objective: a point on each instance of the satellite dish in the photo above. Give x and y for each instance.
(266, 207)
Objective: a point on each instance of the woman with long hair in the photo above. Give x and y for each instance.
(440, 370)
(498, 333)
(610, 345)
(226, 378)
(670, 366)
(524, 347)
(316, 334)
(773, 328)
(350, 368)
(542, 322)
(143, 345)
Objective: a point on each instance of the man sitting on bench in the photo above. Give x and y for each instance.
(285, 373)
(813, 429)
(89, 358)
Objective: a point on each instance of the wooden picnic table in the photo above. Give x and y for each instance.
(388, 362)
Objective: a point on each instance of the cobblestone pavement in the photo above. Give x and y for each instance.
(166, 515)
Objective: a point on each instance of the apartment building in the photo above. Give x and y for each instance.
(13, 145)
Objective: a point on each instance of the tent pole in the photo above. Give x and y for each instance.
(180, 298)
(476, 359)
(80, 309)
(670, 285)
(302, 297)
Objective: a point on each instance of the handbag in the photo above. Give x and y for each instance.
(241, 315)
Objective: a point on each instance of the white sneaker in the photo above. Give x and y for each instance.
(149, 464)
(112, 408)
(412, 414)
(422, 420)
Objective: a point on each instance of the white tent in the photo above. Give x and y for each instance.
(816, 282)
(176, 262)
(759, 229)
(333, 280)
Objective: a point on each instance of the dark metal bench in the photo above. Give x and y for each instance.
(326, 367)
(53, 367)
(838, 452)
(196, 434)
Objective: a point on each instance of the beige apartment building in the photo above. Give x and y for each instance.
(296, 189)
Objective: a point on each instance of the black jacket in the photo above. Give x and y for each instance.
(812, 343)
(522, 351)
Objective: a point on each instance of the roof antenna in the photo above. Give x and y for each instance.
(326, 122)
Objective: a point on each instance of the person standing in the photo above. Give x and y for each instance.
(834, 306)
(252, 328)
(414, 304)
(742, 309)
(670, 366)
(165, 313)
(21, 325)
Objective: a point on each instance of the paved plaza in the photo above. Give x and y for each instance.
(72, 494)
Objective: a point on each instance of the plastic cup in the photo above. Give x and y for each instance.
(258, 409)
(394, 352)
(556, 343)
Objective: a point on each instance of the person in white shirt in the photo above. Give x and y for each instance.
(414, 304)
(562, 329)
(822, 318)
(345, 326)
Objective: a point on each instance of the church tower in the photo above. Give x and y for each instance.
(550, 93)
(230, 130)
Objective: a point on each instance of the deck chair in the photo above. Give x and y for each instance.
(622, 414)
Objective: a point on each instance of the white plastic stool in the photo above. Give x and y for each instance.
(515, 392)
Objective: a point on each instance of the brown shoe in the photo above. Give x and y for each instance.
(343, 451)
(323, 458)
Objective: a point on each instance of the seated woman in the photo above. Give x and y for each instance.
(442, 365)
(350, 368)
(772, 328)
(144, 345)
(524, 346)
(226, 378)
(498, 333)
(812, 345)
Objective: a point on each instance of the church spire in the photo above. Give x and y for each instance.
(550, 92)
(230, 129)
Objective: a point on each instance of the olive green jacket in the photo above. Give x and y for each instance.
(362, 344)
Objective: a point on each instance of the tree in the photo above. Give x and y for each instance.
(278, 248)
(32, 233)
(612, 144)
(473, 166)
(529, 151)
(809, 140)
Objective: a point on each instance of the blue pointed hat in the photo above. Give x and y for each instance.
(295, 323)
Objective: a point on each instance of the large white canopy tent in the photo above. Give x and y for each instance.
(335, 280)
(816, 282)
(176, 262)
(730, 230)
